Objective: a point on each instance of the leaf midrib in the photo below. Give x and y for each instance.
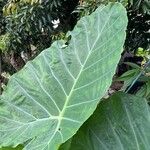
(60, 117)
(82, 67)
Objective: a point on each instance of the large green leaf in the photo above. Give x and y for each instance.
(47, 101)
(120, 123)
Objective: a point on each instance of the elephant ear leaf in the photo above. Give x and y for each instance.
(119, 123)
(49, 99)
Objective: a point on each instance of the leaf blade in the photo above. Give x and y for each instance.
(50, 97)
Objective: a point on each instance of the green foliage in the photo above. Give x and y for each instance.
(4, 40)
(8, 148)
(121, 122)
(143, 53)
(142, 5)
(49, 99)
(30, 21)
(128, 77)
(138, 15)
(137, 74)
(138, 25)
(88, 6)
(52, 96)
(2, 24)
(145, 90)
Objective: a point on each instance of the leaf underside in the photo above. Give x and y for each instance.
(119, 123)
(49, 99)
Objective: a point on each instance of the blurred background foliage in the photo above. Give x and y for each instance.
(27, 27)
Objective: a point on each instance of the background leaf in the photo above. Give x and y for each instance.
(119, 123)
(47, 101)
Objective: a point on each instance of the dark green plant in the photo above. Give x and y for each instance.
(2, 22)
(138, 26)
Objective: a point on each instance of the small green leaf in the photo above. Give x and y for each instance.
(133, 65)
(130, 74)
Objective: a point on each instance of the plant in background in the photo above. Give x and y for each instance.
(2, 22)
(28, 22)
(137, 79)
(4, 42)
(86, 7)
(140, 5)
(138, 26)
(145, 54)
